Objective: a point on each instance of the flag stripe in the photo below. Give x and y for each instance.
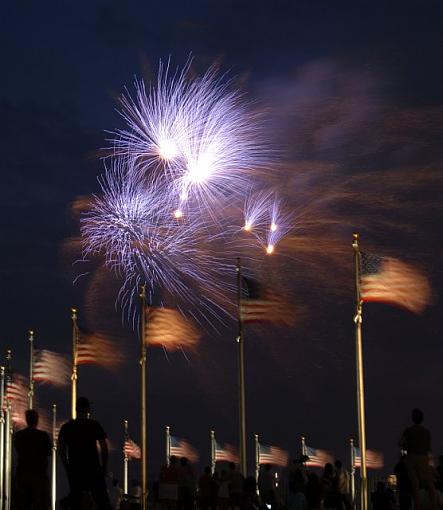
(318, 457)
(272, 455)
(391, 281)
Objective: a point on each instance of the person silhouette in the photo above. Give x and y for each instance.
(416, 440)
(33, 447)
(85, 466)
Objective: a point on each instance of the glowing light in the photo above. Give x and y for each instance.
(178, 214)
(273, 227)
(248, 226)
(199, 171)
(270, 249)
(167, 149)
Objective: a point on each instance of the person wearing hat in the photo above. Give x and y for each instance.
(84, 463)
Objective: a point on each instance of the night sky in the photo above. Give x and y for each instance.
(353, 93)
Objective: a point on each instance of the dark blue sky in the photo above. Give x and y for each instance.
(352, 89)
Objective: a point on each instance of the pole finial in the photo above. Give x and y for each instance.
(73, 312)
(54, 407)
(31, 333)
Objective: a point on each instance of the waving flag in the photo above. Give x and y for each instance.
(131, 449)
(16, 393)
(262, 305)
(226, 452)
(96, 348)
(17, 389)
(388, 280)
(181, 448)
(52, 368)
(169, 328)
(272, 455)
(374, 460)
(317, 457)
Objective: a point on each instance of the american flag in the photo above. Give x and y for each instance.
(96, 348)
(388, 280)
(169, 328)
(51, 368)
(16, 393)
(262, 305)
(181, 448)
(225, 452)
(16, 389)
(272, 455)
(131, 449)
(374, 460)
(318, 457)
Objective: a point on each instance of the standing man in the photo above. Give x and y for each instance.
(85, 466)
(416, 440)
(33, 447)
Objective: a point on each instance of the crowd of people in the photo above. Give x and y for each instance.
(83, 450)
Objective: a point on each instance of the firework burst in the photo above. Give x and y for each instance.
(177, 175)
(197, 135)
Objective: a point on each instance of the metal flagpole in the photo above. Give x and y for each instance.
(8, 457)
(8, 440)
(54, 458)
(2, 434)
(241, 376)
(303, 446)
(257, 457)
(125, 460)
(212, 452)
(31, 369)
(168, 444)
(360, 378)
(143, 410)
(351, 445)
(74, 363)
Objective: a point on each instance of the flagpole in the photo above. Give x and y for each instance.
(54, 458)
(8, 440)
(212, 452)
(125, 460)
(257, 457)
(31, 369)
(360, 378)
(74, 364)
(241, 376)
(8, 457)
(351, 445)
(143, 410)
(168, 444)
(303, 445)
(2, 433)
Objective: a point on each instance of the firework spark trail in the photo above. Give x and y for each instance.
(280, 225)
(255, 210)
(131, 226)
(198, 135)
(177, 176)
(267, 218)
